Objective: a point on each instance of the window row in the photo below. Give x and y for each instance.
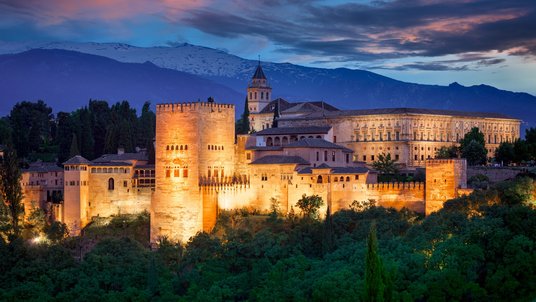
(75, 168)
(177, 147)
(214, 147)
(73, 183)
(373, 158)
(215, 172)
(177, 172)
(110, 170)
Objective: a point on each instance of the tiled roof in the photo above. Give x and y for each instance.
(149, 167)
(111, 164)
(315, 143)
(121, 157)
(43, 167)
(384, 111)
(259, 74)
(295, 130)
(287, 107)
(280, 159)
(265, 148)
(77, 160)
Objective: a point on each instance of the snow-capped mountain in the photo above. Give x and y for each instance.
(344, 88)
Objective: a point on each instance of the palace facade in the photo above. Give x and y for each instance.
(202, 167)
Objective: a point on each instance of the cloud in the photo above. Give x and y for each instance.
(491, 62)
(431, 66)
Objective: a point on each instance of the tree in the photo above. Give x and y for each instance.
(385, 164)
(309, 205)
(276, 115)
(473, 147)
(56, 231)
(31, 124)
(64, 136)
(36, 222)
(328, 236)
(242, 125)
(5, 131)
(73, 151)
(447, 152)
(505, 153)
(11, 190)
(374, 272)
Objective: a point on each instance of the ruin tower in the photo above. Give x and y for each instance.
(259, 91)
(194, 145)
(444, 179)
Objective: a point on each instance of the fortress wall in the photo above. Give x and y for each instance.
(398, 195)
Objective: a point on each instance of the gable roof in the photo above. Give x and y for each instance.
(336, 170)
(121, 157)
(297, 107)
(280, 159)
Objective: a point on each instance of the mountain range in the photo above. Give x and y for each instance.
(66, 75)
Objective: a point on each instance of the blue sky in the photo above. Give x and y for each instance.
(425, 41)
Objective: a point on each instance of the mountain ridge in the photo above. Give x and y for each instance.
(343, 87)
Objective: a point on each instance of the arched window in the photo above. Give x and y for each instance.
(277, 141)
(310, 136)
(185, 147)
(347, 178)
(167, 147)
(177, 147)
(341, 178)
(318, 136)
(284, 141)
(335, 179)
(180, 148)
(172, 148)
(111, 184)
(319, 179)
(269, 142)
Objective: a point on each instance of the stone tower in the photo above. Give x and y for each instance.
(444, 179)
(76, 194)
(194, 145)
(259, 91)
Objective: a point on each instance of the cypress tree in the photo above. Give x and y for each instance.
(11, 190)
(74, 151)
(374, 285)
(328, 240)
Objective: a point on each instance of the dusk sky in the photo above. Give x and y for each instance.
(426, 41)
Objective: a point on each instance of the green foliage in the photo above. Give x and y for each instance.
(473, 147)
(11, 191)
(31, 125)
(73, 151)
(480, 247)
(385, 164)
(35, 223)
(479, 181)
(447, 152)
(242, 125)
(374, 272)
(505, 153)
(309, 205)
(56, 231)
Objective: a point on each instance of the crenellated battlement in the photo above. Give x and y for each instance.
(444, 161)
(205, 181)
(191, 106)
(396, 186)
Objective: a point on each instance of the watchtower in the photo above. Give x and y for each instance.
(194, 144)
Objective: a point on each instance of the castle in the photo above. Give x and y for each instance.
(201, 166)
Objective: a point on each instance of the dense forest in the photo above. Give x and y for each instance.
(480, 247)
(38, 134)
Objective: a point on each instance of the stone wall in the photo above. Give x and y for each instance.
(494, 174)
(443, 179)
(204, 133)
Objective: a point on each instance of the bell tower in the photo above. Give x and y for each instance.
(259, 91)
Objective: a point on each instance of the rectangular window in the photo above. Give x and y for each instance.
(415, 135)
(248, 156)
(397, 136)
(325, 155)
(388, 136)
(397, 157)
(372, 157)
(364, 158)
(176, 173)
(334, 138)
(347, 158)
(185, 173)
(168, 173)
(317, 156)
(125, 183)
(357, 177)
(333, 156)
